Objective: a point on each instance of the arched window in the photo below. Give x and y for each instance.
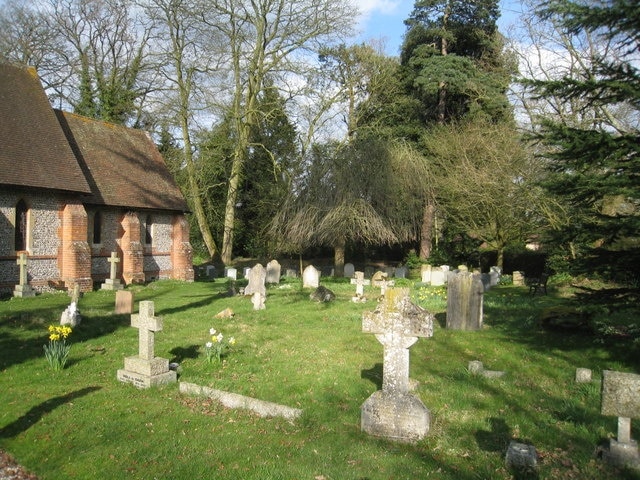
(148, 233)
(96, 228)
(21, 226)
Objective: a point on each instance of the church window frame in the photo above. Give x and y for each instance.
(22, 227)
(148, 230)
(96, 228)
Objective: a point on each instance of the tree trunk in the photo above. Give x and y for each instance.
(500, 259)
(338, 257)
(426, 233)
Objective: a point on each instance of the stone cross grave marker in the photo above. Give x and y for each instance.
(145, 369)
(22, 263)
(393, 412)
(23, 289)
(621, 398)
(112, 283)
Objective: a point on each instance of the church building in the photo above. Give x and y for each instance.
(74, 189)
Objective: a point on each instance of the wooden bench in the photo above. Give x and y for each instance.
(538, 284)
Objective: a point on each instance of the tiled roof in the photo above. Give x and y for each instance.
(122, 165)
(114, 165)
(33, 149)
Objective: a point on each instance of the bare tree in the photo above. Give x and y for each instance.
(266, 39)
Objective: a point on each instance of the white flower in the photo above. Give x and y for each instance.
(212, 331)
(220, 337)
(232, 341)
(209, 345)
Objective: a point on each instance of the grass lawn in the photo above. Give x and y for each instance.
(83, 423)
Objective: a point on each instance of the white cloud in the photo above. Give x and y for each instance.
(385, 7)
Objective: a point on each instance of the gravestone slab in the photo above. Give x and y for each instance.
(401, 272)
(464, 302)
(311, 277)
(273, 272)
(425, 273)
(521, 457)
(437, 277)
(394, 412)
(349, 270)
(378, 278)
(322, 294)
(621, 398)
(145, 369)
(124, 302)
(231, 273)
(257, 278)
(71, 316)
(518, 278)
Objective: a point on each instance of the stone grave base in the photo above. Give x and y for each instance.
(402, 418)
(24, 291)
(623, 454)
(110, 284)
(146, 373)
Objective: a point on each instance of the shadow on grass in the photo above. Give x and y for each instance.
(35, 414)
(180, 353)
(374, 375)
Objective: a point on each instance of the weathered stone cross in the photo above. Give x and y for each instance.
(359, 283)
(397, 324)
(394, 412)
(147, 324)
(113, 260)
(22, 261)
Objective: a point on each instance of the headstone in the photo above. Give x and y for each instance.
(378, 278)
(463, 268)
(211, 272)
(273, 272)
(496, 274)
(257, 299)
(476, 368)
(518, 279)
(464, 302)
(486, 281)
(74, 293)
(368, 272)
(425, 273)
(311, 277)
(583, 375)
(246, 271)
(394, 412)
(23, 289)
(521, 457)
(349, 270)
(231, 273)
(621, 398)
(401, 272)
(124, 302)
(256, 285)
(291, 273)
(359, 278)
(113, 282)
(437, 277)
(71, 315)
(322, 294)
(390, 271)
(145, 369)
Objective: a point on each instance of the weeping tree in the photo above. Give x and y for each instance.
(337, 201)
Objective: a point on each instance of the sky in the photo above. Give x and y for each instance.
(385, 19)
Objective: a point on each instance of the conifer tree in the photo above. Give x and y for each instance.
(596, 167)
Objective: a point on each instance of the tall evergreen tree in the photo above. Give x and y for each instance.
(452, 59)
(596, 167)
